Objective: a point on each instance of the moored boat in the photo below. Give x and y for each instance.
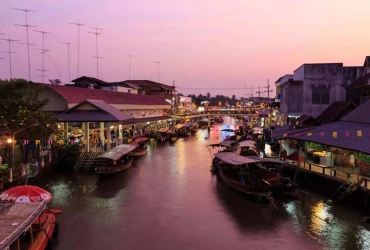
(26, 225)
(139, 151)
(241, 174)
(254, 176)
(115, 160)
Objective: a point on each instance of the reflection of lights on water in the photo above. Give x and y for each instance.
(325, 228)
(363, 238)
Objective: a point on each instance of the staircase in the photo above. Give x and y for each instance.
(346, 189)
(88, 160)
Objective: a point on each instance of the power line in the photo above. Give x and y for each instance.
(10, 53)
(43, 47)
(212, 88)
(28, 42)
(78, 46)
(44, 52)
(69, 69)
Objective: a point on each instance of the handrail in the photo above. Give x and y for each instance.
(91, 159)
(79, 161)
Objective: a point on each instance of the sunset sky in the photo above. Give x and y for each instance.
(216, 46)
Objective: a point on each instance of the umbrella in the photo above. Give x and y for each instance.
(25, 194)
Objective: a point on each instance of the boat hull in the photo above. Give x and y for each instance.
(138, 152)
(244, 188)
(108, 170)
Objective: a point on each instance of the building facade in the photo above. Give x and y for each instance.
(315, 87)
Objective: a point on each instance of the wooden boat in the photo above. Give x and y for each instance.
(282, 187)
(247, 148)
(241, 174)
(139, 151)
(115, 160)
(26, 225)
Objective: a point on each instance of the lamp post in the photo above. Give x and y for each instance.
(13, 140)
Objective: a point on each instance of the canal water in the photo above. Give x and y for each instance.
(170, 200)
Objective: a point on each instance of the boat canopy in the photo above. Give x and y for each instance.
(247, 143)
(178, 126)
(118, 151)
(17, 219)
(234, 159)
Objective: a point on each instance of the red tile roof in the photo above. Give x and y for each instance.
(77, 95)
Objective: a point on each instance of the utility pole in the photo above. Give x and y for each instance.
(96, 33)
(28, 42)
(129, 67)
(43, 48)
(259, 95)
(69, 68)
(10, 55)
(78, 46)
(159, 76)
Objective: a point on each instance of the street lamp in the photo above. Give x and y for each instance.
(13, 139)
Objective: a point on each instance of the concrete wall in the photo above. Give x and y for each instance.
(299, 74)
(321, 76)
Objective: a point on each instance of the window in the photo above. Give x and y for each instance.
(364, 97)
(321, 96)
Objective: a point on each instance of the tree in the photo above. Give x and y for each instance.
(21, 107)
(208, 96)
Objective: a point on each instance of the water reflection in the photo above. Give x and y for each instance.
(170, 200)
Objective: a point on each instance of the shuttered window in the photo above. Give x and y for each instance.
(321, 96)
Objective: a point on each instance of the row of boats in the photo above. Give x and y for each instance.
(260, 178)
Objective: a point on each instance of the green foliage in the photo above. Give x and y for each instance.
(21, 107)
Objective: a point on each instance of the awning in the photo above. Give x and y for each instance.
(146, 119)
(118, 151)
(347, 135)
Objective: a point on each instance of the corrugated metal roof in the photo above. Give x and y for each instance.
(346, 135)
(104, 113)
(334, 111)
(77, 95)
(93, 79)
(360, 114)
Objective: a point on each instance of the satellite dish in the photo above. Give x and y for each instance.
(52, 81)
(91, 86)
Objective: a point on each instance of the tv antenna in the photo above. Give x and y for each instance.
(96, 33)
(259, 95)
(28, 42)
(69, 69)
(42, 72)
(78, 46)
(159, 76)
(10, 55)
(44, 52)
(129, 67)
(43, 46)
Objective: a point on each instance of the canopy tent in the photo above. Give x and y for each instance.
(118, 151)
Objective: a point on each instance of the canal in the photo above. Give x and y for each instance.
(170, 200)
